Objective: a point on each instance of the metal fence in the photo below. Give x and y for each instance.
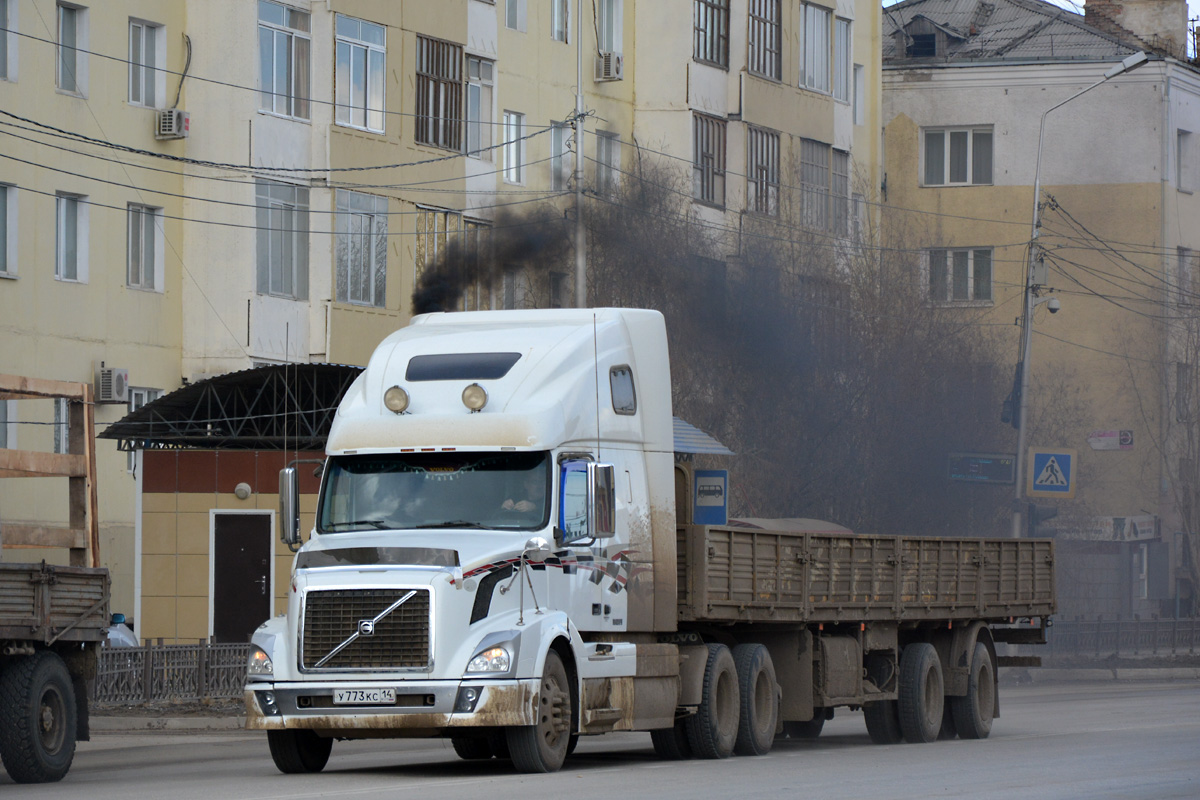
(1121, 639)
(171, 672)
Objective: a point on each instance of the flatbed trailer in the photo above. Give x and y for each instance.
(53, 619)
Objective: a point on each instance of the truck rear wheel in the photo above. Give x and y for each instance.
(712, 731)
(921, 693)
(37, 718)
(973, 712)
(883, 722)
(759, 698)
(671, 744)
(542, 747)
(299, 751)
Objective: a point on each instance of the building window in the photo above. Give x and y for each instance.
(839, 193)
(436, 230)
(283, 54)
(842, 45)
(138, 397)
(361, 65)
(708, 159)
(147, 60)
(439, 93)
(480, 83)
(145, 248)
(860, 94)
(1186, 163)
(608, 26)
(814, 67)
(514, 147)
(765, 56)
(958, 156)
(1185, 374)
(71, 64)
(921, 45)
(70, 262)
(560, 167)
(1187, 264)
(8, 40)
(282, 239)
(8, 420)
(514, 15)
(960, 276)
(608, 160)
(8, 229)
(62, 426)
(362, 225)
(814, 183)
(560, 20)
(762, 171)
(710, 32)
(558, 290)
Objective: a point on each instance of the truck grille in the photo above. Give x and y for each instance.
(399, 640)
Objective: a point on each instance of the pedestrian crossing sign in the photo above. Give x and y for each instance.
(1051, 472)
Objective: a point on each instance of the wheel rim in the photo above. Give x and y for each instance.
(933, 689)
(986, 692)
(727, 704)
(555, 712)
(52, 710)
(763, 701)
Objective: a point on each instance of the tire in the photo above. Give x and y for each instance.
(948, 730)
(883, 722)
(974, 711)
(37, 718)
(469, 749)
(712, 731)
(542, 747)
(298, 752)
(809, 729)
(921, 693)
(757, 693)
(671, 744)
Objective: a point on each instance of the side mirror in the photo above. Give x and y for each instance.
(602, 501)
(289, 506)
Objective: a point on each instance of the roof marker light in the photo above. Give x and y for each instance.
(474, 397)
(396, 399)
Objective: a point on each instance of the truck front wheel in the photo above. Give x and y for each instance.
(37, 718)
(296, 752)
(543, 747)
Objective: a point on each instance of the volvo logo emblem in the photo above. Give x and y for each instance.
(366, 627)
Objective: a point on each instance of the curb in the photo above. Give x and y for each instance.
(100, 724)
(1019, 675)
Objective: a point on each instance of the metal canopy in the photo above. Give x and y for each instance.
(266, 408)
(690, 439)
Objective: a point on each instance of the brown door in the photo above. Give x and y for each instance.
(241, 575)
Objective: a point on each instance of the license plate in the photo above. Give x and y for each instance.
(364, 697)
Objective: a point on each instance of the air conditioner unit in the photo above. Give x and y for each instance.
(172, 124)
(112, 385)
(609, 66)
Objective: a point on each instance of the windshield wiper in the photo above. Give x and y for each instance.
(458, 523)
(377, 524)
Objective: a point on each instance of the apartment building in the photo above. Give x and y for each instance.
(318, 158)
(968, 86)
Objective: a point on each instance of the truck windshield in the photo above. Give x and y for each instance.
(496, 491)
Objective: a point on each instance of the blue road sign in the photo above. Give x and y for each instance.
(1051, 472)
(710, 502)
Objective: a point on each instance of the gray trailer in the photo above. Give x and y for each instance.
(53, 619)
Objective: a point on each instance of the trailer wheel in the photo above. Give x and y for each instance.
(542, 747)
(920, 693)
(973, 712)
(757, 691)
(883, 722)
(299, 751)
(37, 718)
(470, 749)
(671, 744)
(712, 731)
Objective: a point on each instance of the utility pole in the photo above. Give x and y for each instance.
(580, 231)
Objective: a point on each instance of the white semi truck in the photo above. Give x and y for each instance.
(504, 555)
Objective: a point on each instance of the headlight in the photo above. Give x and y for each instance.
(494, 659)
(259, 663)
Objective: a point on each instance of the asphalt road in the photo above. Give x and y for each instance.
(1113, 740)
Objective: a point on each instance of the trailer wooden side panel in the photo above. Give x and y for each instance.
(731, 574)
(47, 603)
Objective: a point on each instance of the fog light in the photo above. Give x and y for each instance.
(266, 701)
(396, 399)
(474, 397)
(467, 698)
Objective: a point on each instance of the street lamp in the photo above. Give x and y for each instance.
(1034, 282)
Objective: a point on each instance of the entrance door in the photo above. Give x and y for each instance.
(241, 575)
